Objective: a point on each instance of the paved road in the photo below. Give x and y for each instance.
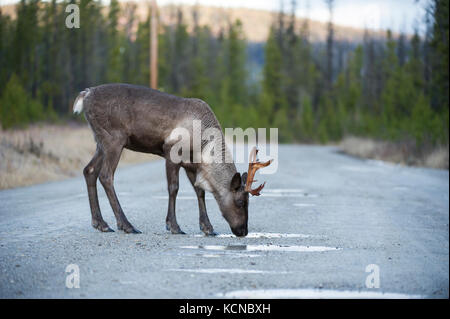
(323, 218)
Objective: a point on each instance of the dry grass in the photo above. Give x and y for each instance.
(48, 153)
(401, 153)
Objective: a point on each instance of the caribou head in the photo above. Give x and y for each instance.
(234, 206)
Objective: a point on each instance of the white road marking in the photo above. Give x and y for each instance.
(304, 205)
(289, 195)
(284, 190)
(229, 271)
(315, 293)
(261, 235)
(228, 255)
(295, 248)
(180, 197)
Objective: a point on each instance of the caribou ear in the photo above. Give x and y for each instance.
(244, 178)
(236, 182)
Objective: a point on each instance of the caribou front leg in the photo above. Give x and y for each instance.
(205, 224)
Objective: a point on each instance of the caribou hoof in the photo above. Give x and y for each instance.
(176, 230)
(211, 234)
(102, 226)
(208, 230)
(129, 229)
(132, 231)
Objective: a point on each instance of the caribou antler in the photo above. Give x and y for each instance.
(253, 166)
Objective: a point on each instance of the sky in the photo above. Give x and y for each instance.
(397, 15)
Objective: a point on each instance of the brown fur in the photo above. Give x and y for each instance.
(141, 119)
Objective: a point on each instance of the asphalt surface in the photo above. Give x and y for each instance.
(324, 217)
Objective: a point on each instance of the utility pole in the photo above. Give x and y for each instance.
(154, 46)
(330, 44)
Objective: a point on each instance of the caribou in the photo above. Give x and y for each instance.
(143, 120)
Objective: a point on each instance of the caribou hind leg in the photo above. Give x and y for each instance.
(91, 172)
(112, 152)
(172, 173)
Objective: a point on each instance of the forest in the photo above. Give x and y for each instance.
(392, 88)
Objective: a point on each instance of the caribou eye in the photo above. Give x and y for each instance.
(239, 203)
